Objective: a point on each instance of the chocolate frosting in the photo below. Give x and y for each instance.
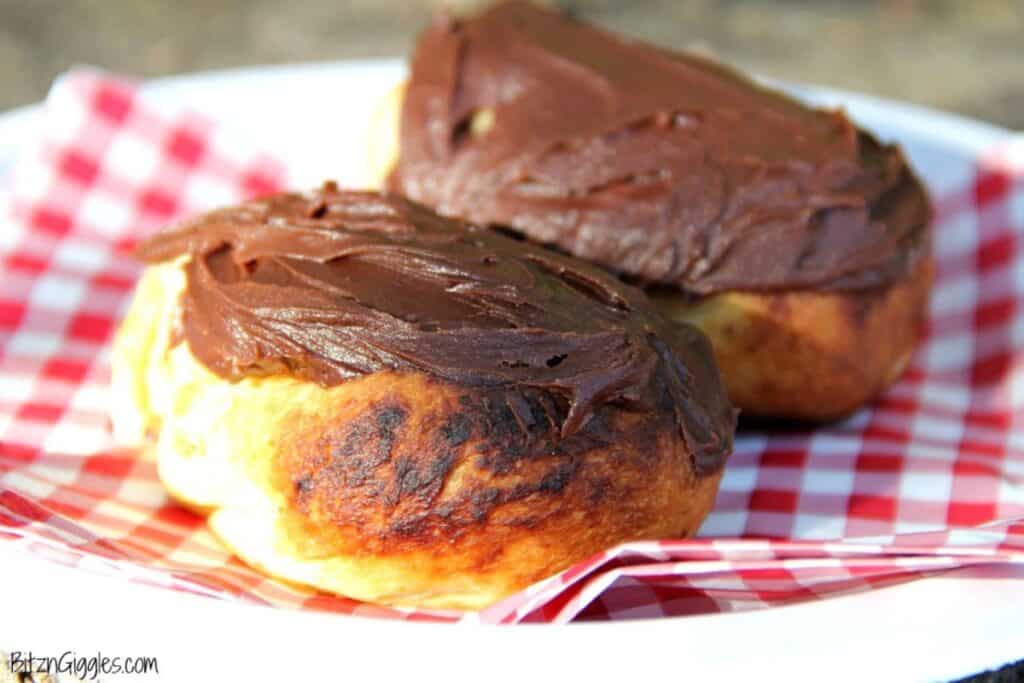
(332, 285)
(659, 165)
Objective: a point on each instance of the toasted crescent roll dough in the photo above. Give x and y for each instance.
(255, 456)
(807, 355)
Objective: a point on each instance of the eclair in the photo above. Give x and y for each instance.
(370, 399)
(796, 241)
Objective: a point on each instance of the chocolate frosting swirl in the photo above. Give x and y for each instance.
(332, 285)
(659, 165)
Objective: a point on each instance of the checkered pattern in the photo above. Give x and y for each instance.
(928, 480)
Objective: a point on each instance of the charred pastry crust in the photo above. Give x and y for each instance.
(379, 402)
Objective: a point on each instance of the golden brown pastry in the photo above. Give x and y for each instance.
(378, 402)
(796, 241)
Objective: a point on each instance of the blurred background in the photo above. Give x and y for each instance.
(964, 56)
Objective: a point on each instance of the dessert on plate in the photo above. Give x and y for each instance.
(365, 397)
(797, 242)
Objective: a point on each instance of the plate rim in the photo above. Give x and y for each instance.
(966, 133)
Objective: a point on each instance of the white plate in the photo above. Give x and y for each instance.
(935, 629)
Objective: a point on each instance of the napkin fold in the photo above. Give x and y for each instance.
(927, 480)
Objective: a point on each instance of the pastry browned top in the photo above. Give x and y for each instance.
(331, 285)
(658, 165)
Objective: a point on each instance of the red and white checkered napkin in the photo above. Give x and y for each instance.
(928, 480)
